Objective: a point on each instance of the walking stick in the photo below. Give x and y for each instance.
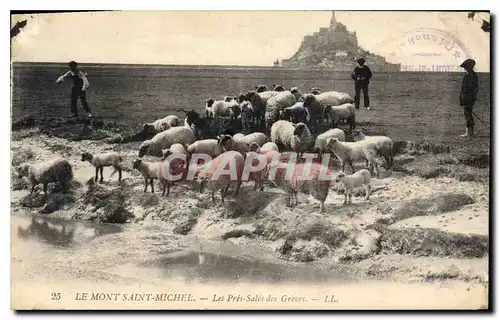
(477, 117)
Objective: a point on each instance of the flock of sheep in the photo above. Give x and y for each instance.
(291, 121)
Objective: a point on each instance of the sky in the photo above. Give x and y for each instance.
(254, 38)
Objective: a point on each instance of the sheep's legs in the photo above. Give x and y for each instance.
(102, 177)
(152, 188)
(213, 197)
(45, 188)
(96, 174)
(368, 189)
(322, 206)
(32, 188)
(222, 192)
(238, 188)
(145, 184)
(345, 196)
(350, 165)
(119, 174)
(350, 197)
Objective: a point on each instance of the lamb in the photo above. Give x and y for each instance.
(149, 171)
(162, 124)
(56, 170)
(360, 178)
(348, 152)
(228, 143)
(292, 136)
(383, 143)
(99, 161)
(207, 180)
(302, 180)
(266, 147)
(346, 111)
(296, 113)
(322, 139)
(275, 105)
(163, 140)
(258, 137)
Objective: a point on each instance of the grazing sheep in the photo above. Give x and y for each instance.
(228, 143)
(348, 152)
(322, 139)
(261, 88)
(258, 106)
(346, 111)
(207, 180)
(223, 108)
(334, 98)
(275, 105)
(258, 137)
(292, 136)
(162, 124)
(296, 113)
(304, 181)
(99, 161)
(149, 171)
(358, 179)
(266, 147)
(315, 110)
(163, 140)
(384, 144)
(56, 170)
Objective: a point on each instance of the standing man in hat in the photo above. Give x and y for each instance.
(361, 76)
(468, 95)
(79, 87)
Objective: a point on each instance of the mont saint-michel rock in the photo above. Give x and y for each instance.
(337, 48)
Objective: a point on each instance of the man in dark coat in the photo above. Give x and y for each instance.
(361, 76)
(468, 95)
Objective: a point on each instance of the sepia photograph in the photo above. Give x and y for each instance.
(250, 160)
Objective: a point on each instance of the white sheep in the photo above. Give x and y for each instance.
(162, 124)
(358, 179)
(322, 139)
(227, 143)
(334, 98)
(175, 148)
(258, 137)
(99, 161)
(150, 171)
(346, 111)
(384, 144)
(205, 146)
(163, 140)
(221, 108)
(266, 95)
(292, 136)
(349, 152)
(56, 170)
(266, 147)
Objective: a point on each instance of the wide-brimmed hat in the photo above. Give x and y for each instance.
(360, 60)
(468, 63)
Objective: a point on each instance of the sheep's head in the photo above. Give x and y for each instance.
(340, 177)
(309, 100)
(165, 153)
(332, 143)
(86, 156)
(315, 90)
(192, 116)
(136, 163)
(261, 88)
(326, 110)
(278, 87)
(287, 114)
(143, 149)
(225, 142)
(209, 102)
(241, 98)
(346, 98)
(246, 106)
(296, 92)
(299, 129)
(254, 147)
(227, 98)
(250, 95)
(22, 170)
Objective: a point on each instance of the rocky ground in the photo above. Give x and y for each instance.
(426, 221)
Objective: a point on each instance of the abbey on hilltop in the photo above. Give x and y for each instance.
(334, 47)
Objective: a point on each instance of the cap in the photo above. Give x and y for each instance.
(468, 63)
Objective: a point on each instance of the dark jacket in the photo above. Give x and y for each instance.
(361, 74)
(468, 92)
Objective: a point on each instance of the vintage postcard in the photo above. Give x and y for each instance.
(250, 160)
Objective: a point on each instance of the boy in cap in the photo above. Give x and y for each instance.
(361, 76)
(78, 89)
(468, 95)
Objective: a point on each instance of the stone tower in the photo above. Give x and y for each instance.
(333, 21)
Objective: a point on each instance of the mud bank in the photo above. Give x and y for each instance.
(426, 221)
